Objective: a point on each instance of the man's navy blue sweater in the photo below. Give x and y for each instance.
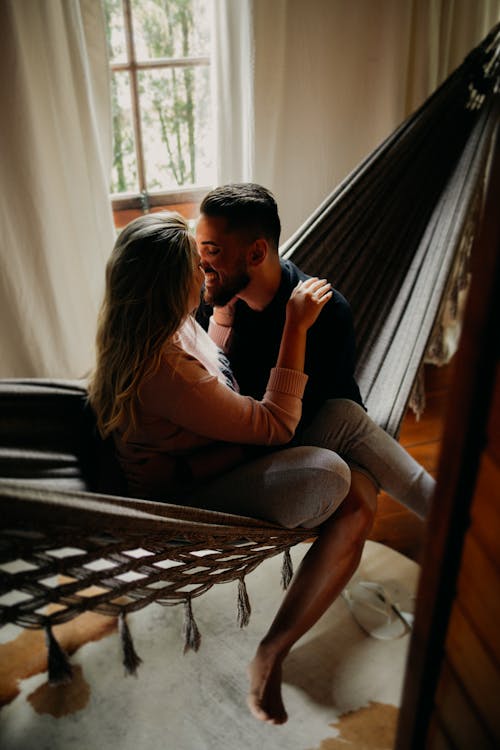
(330, 350)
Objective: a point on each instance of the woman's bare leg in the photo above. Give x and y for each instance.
(321, 577)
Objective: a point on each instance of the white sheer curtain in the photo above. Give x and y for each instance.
(232, 84)
(317, 85)
(56, 221)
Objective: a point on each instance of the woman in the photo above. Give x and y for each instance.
(184, 434)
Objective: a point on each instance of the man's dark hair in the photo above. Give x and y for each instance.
(247, 207)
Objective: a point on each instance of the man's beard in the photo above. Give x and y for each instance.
(220, 296)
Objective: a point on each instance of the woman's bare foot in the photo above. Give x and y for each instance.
(264, 699)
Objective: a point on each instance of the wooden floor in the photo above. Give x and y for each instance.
(395, 526)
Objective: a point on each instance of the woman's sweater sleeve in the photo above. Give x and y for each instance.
(220, 334)
(185, 394)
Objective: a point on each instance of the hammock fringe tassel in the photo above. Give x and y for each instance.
(417, 398)
(131, 659)
(59, 668)
(192, 637)
(244, 608)
(286, 569)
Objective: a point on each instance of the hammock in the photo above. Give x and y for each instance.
(394, 238)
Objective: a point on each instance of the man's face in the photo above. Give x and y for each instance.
(223, 259)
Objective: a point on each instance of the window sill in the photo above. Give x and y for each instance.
(128, 206)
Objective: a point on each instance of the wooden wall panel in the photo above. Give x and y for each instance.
(478, 591)
(478, 673)
(486, 508)
(437, 737)
(458, 716)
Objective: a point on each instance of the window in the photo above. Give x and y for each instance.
(160, 88)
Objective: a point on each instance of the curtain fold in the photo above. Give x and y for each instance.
(55, 213)
(232, 89)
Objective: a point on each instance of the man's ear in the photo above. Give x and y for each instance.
(258, 252)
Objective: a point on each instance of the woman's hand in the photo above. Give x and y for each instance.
(306, 302)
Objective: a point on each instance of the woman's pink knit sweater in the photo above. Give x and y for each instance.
(191, 424)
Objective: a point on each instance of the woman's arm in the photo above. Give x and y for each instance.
(188, 398)
(220, 325)
(184, 393)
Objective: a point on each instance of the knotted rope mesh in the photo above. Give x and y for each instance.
(122, 569)
(65, 553)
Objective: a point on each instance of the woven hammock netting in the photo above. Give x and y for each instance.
(394, 238)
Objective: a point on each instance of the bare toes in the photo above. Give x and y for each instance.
(264, 699)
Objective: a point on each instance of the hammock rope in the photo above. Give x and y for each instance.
(394, 238)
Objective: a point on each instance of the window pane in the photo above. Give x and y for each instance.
(177, 127)
(115, 30)
(170, 28)
(124, 173)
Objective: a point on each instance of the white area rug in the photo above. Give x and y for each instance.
(197, 701)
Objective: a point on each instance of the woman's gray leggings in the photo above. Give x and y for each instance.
(303, 485)
(345, 427)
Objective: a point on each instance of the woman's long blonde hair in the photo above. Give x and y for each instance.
(149, 277)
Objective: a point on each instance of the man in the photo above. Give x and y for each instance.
(247, 287)
(238, 237)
